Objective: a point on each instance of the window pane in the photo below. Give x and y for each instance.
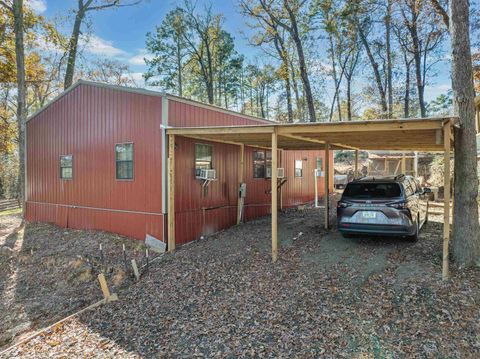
(203, 157)
(372, 190)
(66, 173)
(124, 152)
(319, 163)
(66, 161)
(259, 164)
(258, 155)
(259, 171)
(298, 168)
(125, 170)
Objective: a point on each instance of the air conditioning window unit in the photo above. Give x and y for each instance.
(207, 174)
(280, 172)
(318, 173)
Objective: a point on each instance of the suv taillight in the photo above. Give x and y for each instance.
(398, 205)
(342, 204)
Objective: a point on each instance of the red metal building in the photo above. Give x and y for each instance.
(96, 159)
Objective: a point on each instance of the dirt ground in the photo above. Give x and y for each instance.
(47, 273)
(326, 297)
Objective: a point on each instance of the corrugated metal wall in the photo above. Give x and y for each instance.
(87, 123)
(198, 213)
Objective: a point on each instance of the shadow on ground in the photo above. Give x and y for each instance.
(326, 296)
(48, 273)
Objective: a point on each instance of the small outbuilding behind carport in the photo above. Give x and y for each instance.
(424, 134)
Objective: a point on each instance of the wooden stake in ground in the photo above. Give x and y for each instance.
(106, 292)
(135, 269)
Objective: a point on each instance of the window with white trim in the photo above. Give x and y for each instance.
(124, 162)
(66, 167)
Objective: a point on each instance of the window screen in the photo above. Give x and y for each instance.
(298, 168)
(124, 161)
(203, 157)
(66, 167)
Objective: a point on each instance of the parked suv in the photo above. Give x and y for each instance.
(387, 206)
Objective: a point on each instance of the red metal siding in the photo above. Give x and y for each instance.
(197, 215)
(182, 114)
(87, 123)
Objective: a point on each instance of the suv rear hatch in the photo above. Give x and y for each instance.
(373, 203)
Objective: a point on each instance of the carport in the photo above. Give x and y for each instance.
(424, 134)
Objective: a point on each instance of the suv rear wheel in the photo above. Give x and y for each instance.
(414, 237)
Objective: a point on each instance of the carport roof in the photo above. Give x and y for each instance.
(422, 134)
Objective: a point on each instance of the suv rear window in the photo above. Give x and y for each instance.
(372, 190)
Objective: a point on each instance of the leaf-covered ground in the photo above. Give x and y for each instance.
(326, 297)
(47, 273)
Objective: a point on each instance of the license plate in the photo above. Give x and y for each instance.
(369, 214)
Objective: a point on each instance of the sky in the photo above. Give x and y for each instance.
(120, 33)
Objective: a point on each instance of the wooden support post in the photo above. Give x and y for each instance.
(281, 187)
(240, 181)
(171, 193)
(446, 198)
(356, 175)
(327, 184)
(274, 197)
(385, 168)
(415, 165)
(404, 164)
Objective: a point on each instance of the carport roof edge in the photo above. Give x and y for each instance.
(423, 134)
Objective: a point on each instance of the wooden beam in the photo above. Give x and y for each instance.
(274, 197)
(213, 139)
(364, 126)
(446, 198)
(303, 138)
(217, 130)
(327, 184)
(404, 164)
(240, 181)
(356, 164)
(171, 193)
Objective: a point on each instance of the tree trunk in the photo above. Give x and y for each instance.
(419, 79)
(179, 69)
(466, 231)
(406, 104)
(282, 52)
(296, 92)
(21, 96)
(288, 92)
(389, 59)
(73, 46)
(336, 97)
(307, 90)
(349, 98)
(376, 72)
